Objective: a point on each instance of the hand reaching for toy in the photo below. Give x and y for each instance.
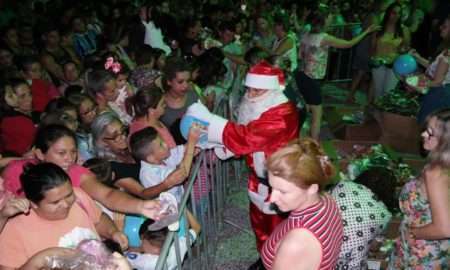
(150, 209)
(194, 132)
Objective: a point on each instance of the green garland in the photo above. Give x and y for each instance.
(398, 101)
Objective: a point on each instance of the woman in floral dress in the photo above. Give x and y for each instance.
(424, 241)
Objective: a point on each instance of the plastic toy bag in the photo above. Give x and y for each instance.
(168, 212)
(91, 254)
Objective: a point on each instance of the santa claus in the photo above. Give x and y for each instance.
(266, 122)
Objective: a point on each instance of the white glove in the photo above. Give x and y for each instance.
(216, 123)
(199, 111)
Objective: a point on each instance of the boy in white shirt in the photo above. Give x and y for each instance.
(163, 169)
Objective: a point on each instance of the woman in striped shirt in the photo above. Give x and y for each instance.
(311, 237)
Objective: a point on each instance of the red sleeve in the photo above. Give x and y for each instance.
(17, 134)
(274, 127)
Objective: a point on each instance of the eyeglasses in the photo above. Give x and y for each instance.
(122, 133)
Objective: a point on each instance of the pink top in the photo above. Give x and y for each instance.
(163, 132)
(323, 220)
(4, 195)
(25, 235)
(12, 172)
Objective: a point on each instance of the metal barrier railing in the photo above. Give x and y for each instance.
(207, 208)
(340, 61)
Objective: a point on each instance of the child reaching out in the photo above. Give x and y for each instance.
(146, 256)
(163, 169)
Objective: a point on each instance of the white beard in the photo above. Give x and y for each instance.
(251, 108)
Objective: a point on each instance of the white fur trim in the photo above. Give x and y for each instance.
(258, 81)
(215, 129)
(259, 199)
(223, 153)
(259, 160)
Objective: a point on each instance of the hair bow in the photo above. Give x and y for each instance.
(115, 67)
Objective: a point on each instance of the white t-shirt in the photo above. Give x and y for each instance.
(153, 174)
(431, 70)
(145, 261)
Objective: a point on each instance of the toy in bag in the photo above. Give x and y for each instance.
(168, 212)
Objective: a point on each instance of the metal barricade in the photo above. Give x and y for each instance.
(340, 61)
(208, 208)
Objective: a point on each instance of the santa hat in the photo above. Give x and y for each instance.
(265, 76)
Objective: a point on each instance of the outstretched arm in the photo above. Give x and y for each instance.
(335, 42)
(117, 200)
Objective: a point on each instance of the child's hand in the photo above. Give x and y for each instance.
(14, 206)
(194, 132)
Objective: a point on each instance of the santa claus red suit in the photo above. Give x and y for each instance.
(266, 122)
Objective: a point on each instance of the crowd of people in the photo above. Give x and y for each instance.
(92, 95)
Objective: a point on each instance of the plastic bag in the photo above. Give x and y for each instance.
(169, 212)
(91, 254)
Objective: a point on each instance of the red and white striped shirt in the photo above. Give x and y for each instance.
(323, 220)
